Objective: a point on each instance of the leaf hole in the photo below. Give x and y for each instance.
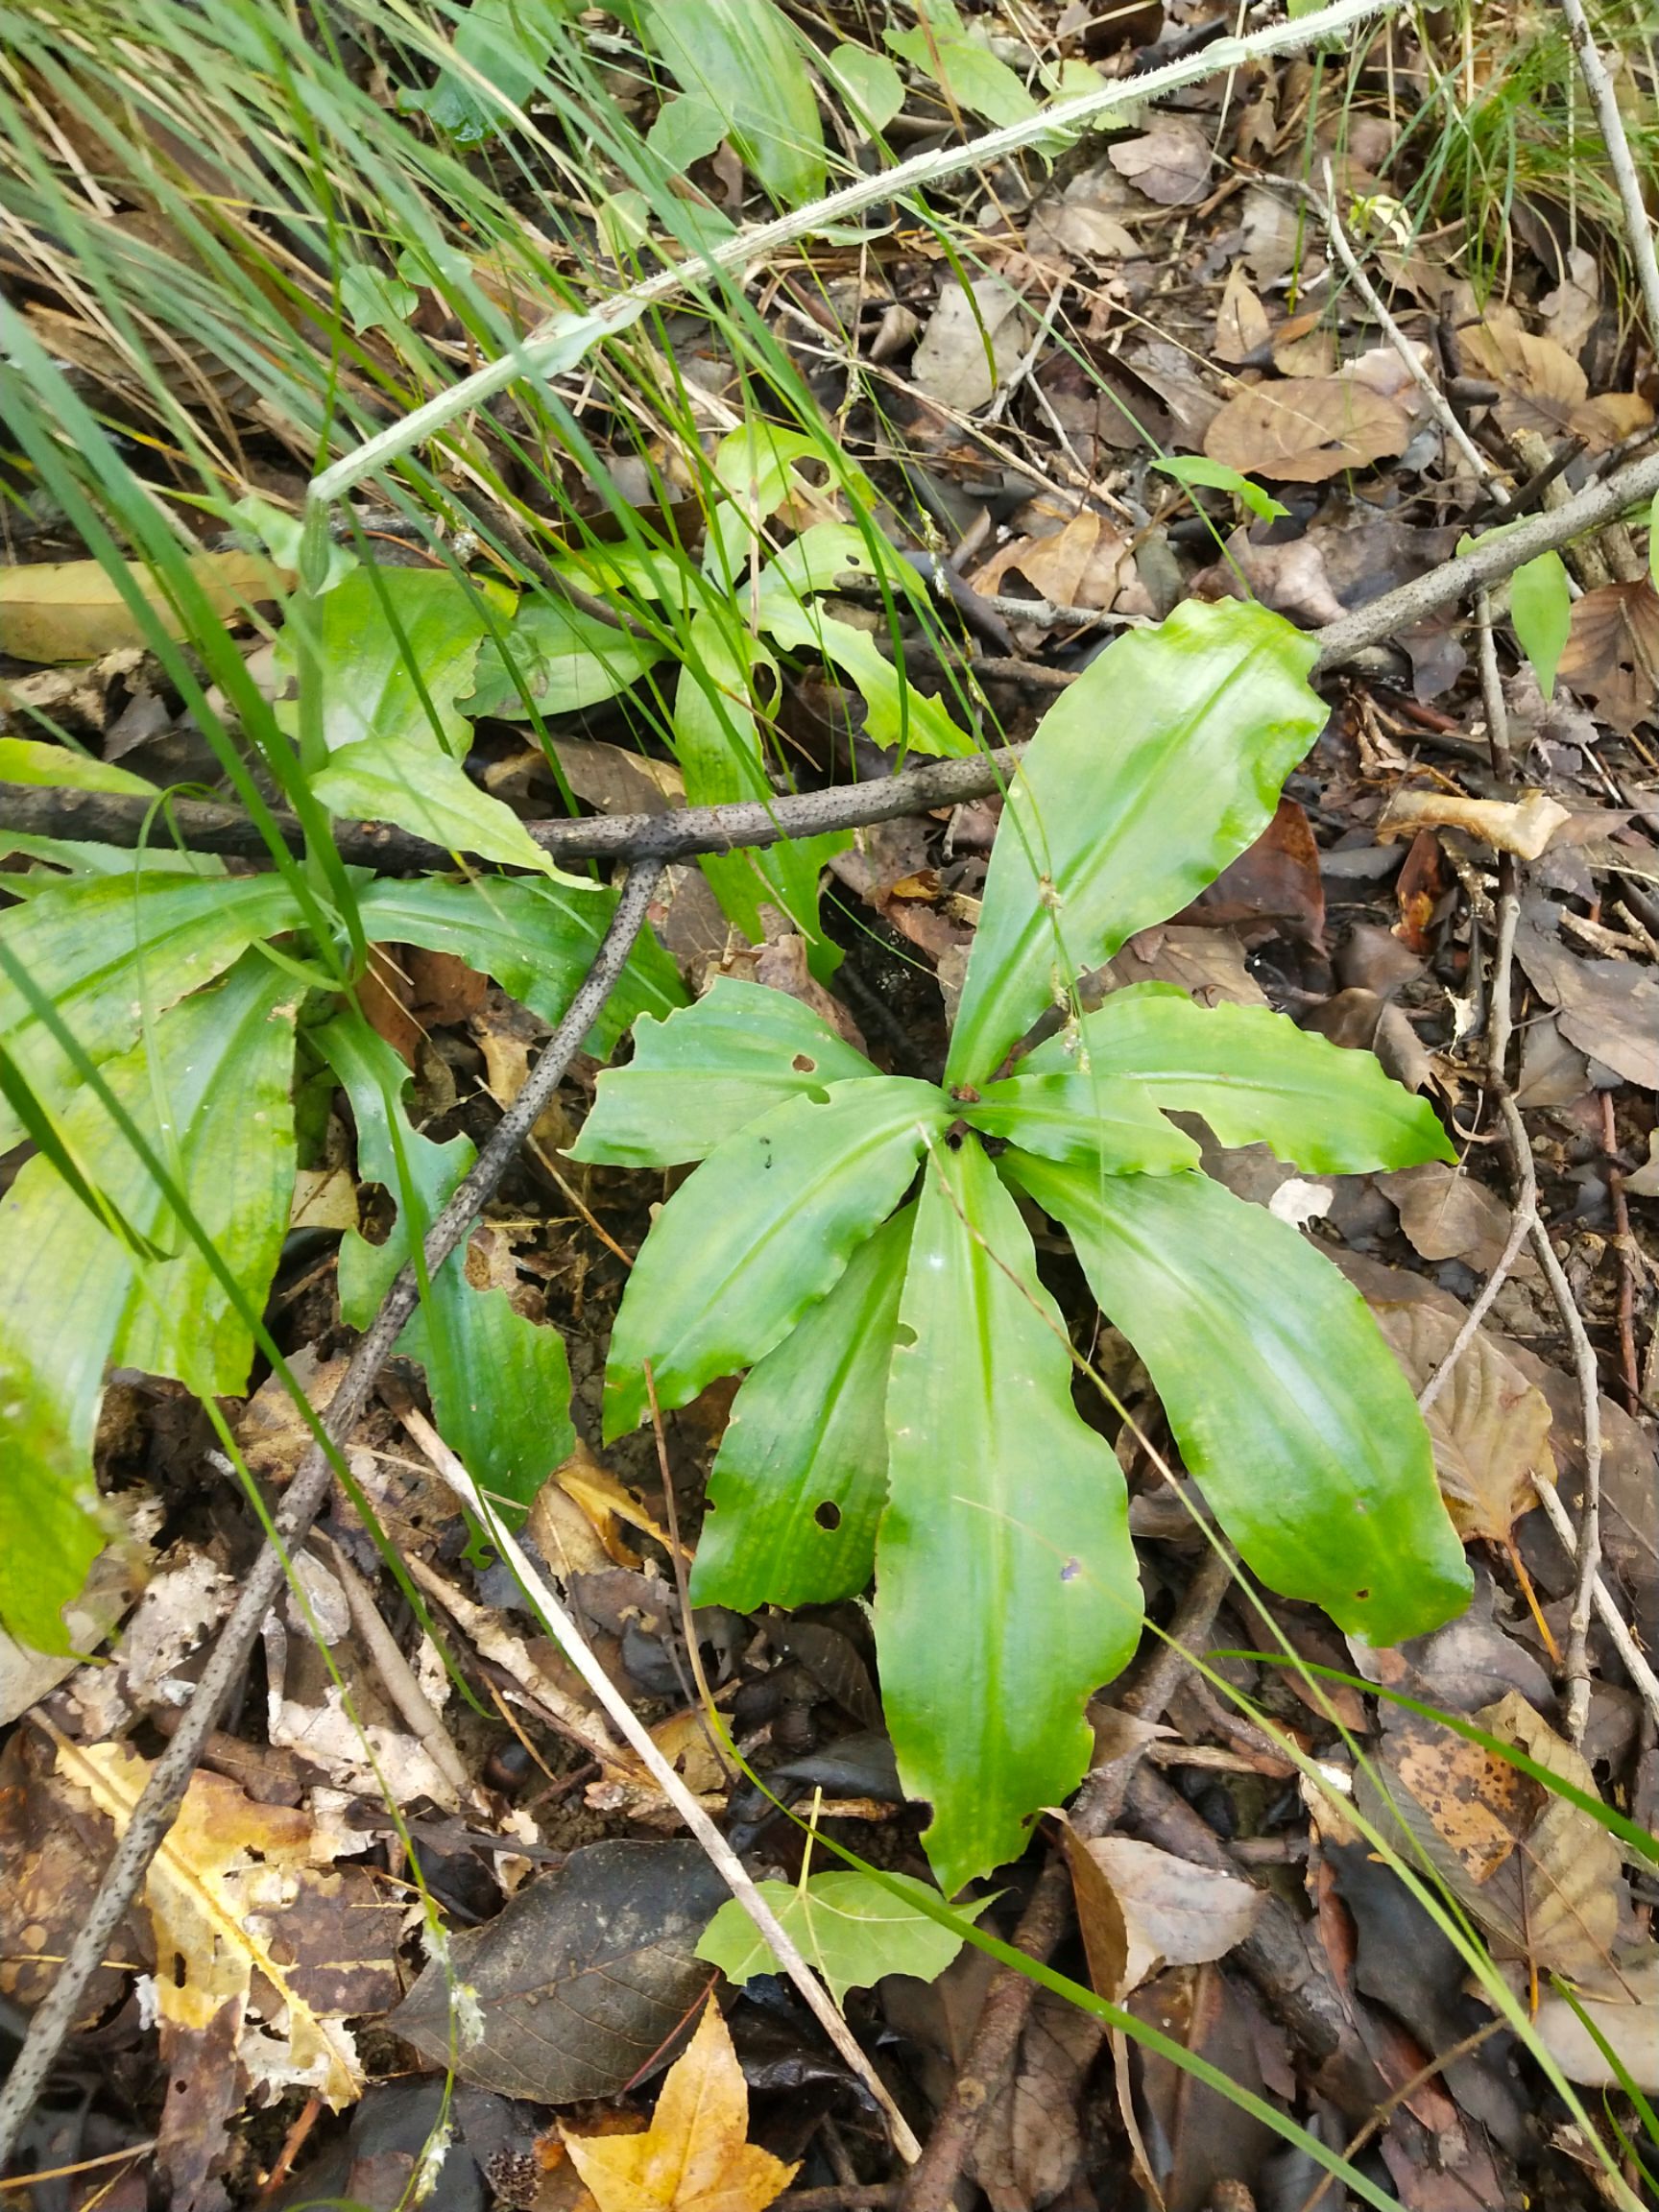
(803, 1064)
(829, 1515)
(1359, 1595)
(903, 1333)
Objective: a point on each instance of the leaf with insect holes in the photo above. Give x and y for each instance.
(1541, 608)
(847, 1925)
(760, 1232)
(1254, 1076)
(1160, 764)
(696, 2156)
(801, 1478)
(705, 1072)
(1284, 1400)
(500, 1382)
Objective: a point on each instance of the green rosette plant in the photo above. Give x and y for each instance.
(857, 1242)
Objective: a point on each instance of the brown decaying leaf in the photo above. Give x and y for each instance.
(1169, 164)
(73, 611)
(1545, 388)
(1448, 1215)
(1031, 2142)
(1611, 654)
(1140, 1908)
(696, 2156)
(1527, 826)
(1241, 324)
(1490, 1426)
(1608, 1008)
(971, 344)
(1306, 430)
(1083, 564)
(582, 1981)
(1541, 1877)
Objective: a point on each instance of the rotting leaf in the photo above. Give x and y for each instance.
(1630, 2030)
(252, 1917)
(581, 1981)
(1306, 428)
(696, 2156)
(1490, 1426)
(1611, 654)
(1541, 1877)
(1031, 2143)
(1607, 1008)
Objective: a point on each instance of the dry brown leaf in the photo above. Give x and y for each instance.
(1171, 1912)
(73, 611)
(1546, 390)
(1083, 564)
(1490, 1426)
(696, 2156)
(1031, 2142)
(1527, 826)
(1630, 2030)
(1170, 163)
(1306, 430)
(1305, 345)
(1449, 1216)
(1541, 1877)
(253, 1920)
(1612, 653)
(1241, 324)
(971, 344)
(1570, 310)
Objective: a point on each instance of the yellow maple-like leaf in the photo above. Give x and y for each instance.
(696, 2156)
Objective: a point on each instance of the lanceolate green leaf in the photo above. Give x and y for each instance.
(743, 58)
(801, 1476)
(500, 1384)
(1066, 1113)
(1255, 1078)
(108, 949)
(1006, 1587)
(537, 940)
(1158, 767)
(701, 1075)
(759, 1233)
(72, 1296)
(850, 1927)
(1286, 1402)
(1541, 608)
(563, 658)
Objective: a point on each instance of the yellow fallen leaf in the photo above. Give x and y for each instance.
(248, 1915)
(74, 610)
(696, 2156)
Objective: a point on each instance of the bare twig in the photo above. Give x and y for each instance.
(399, 1676)
(990, 2060)
(169, 1778)
(1638, 226)
(633, 1732)
(1630, 1654)
(1439, 404)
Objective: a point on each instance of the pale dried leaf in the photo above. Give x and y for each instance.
(972, 344)
(1241, 324)
(1306, 430)
(1083, 564)
(1170, 163)
(1489, 1424)
(1174, 1913)
(74, 610)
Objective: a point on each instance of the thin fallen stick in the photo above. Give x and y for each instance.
(170, 1777)
(401, 1685)
(985, 2070)
(560, 340)
(1638, 226)
(1631, 1656)
(633, 1732)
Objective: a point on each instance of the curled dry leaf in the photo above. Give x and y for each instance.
(1448, 1215)
(1490, 1426)
(1171, 1912)
(1306, 428)
(1612, 655)
(1526, 827)
(1539, 1875)
(696, 2156)
(1084, 563)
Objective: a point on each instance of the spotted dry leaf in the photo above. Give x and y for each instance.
(1306, 430)
(1612, 655)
